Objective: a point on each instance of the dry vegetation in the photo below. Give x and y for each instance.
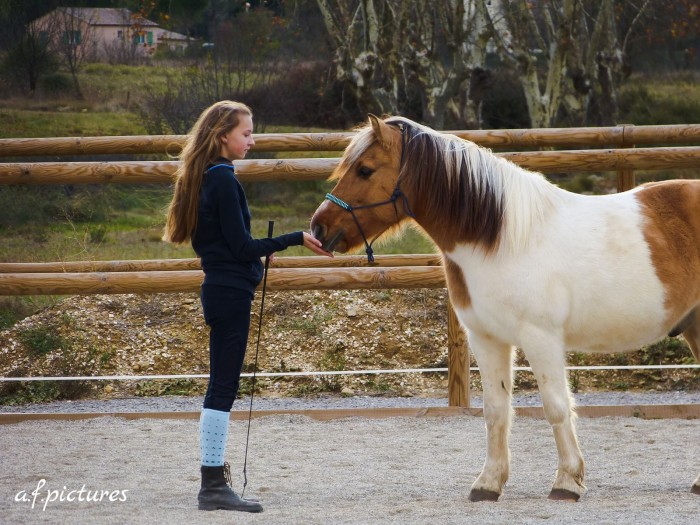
(302, 331)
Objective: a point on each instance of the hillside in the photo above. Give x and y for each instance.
(302, 331)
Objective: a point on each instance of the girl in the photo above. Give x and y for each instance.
(210, 209)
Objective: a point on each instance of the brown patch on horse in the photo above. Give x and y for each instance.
(451, 202)
(672, 231)
(456, 284)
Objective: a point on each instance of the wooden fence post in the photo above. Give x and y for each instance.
(625, 178)
(457, 361)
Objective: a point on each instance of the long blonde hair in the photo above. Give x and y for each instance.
(201, 148)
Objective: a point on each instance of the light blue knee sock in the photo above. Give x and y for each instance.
(213, 430)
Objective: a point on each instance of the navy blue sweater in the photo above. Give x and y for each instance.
(229, 254)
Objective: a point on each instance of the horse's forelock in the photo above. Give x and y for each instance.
(360, 143)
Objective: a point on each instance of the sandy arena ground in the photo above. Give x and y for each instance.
(351, 471)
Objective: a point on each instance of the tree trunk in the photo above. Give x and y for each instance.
(521, 36)
(76, 86)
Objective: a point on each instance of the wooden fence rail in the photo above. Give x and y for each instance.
(318, 169)
(311, 273)
(194, 264)
(623, 135)
(190, 280)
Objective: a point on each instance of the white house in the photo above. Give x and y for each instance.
(103, 31)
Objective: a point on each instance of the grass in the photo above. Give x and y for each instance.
(661, 100)
(120, 222)
(69, 122)
(123, 83)
(111, 94)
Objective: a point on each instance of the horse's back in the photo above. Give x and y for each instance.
(613, 272)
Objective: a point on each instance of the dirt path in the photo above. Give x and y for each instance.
(358, 471)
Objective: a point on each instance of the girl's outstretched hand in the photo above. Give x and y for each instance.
(313, 244)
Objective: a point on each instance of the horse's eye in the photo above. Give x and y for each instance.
(365, 172)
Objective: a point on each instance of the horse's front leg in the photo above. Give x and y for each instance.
(495, 363)
(548, 363)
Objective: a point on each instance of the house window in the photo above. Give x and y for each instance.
(150, 38)
(72, 38)
(120, 35)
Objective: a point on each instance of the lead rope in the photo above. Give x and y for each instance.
(270, 226)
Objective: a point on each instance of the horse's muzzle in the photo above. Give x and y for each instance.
(329, 243)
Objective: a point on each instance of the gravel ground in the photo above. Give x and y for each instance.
(347, 471)
(191, 404)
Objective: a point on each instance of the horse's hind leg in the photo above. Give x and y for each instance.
(495, 363)
(692, 332)
(548, 365)
(692, 336)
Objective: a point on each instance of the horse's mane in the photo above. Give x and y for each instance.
(479, 197)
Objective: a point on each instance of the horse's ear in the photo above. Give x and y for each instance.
(378, 127)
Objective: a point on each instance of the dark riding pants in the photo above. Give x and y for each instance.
(227, 312)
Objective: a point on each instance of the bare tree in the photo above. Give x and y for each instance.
(528, 34)
(446, 52)
(354, 28)
(569, 55)
(30, 58)
(74, 42)
(390, 50)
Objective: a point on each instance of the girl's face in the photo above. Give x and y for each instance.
(236, 143)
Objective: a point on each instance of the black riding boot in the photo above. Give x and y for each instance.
(216, 494)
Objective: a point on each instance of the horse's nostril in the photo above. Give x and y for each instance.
(318, 230)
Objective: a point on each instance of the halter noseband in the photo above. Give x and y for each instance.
(395, 195)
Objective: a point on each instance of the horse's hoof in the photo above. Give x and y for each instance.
(563, 495)
(695, 489)
(483, 495)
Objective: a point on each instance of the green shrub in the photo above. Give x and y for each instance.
(19, 393)
(171, 387)
(669, 349)
(66, 360)
(504, 104)
(56, 84)
(647, 105)
(98, 233)
(332, 360)
(41, 340)
(7, 318)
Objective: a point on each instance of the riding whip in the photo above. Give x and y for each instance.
(270, 226)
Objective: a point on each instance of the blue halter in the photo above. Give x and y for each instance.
(396, 195)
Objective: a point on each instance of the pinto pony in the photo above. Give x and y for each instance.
(527, 265)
